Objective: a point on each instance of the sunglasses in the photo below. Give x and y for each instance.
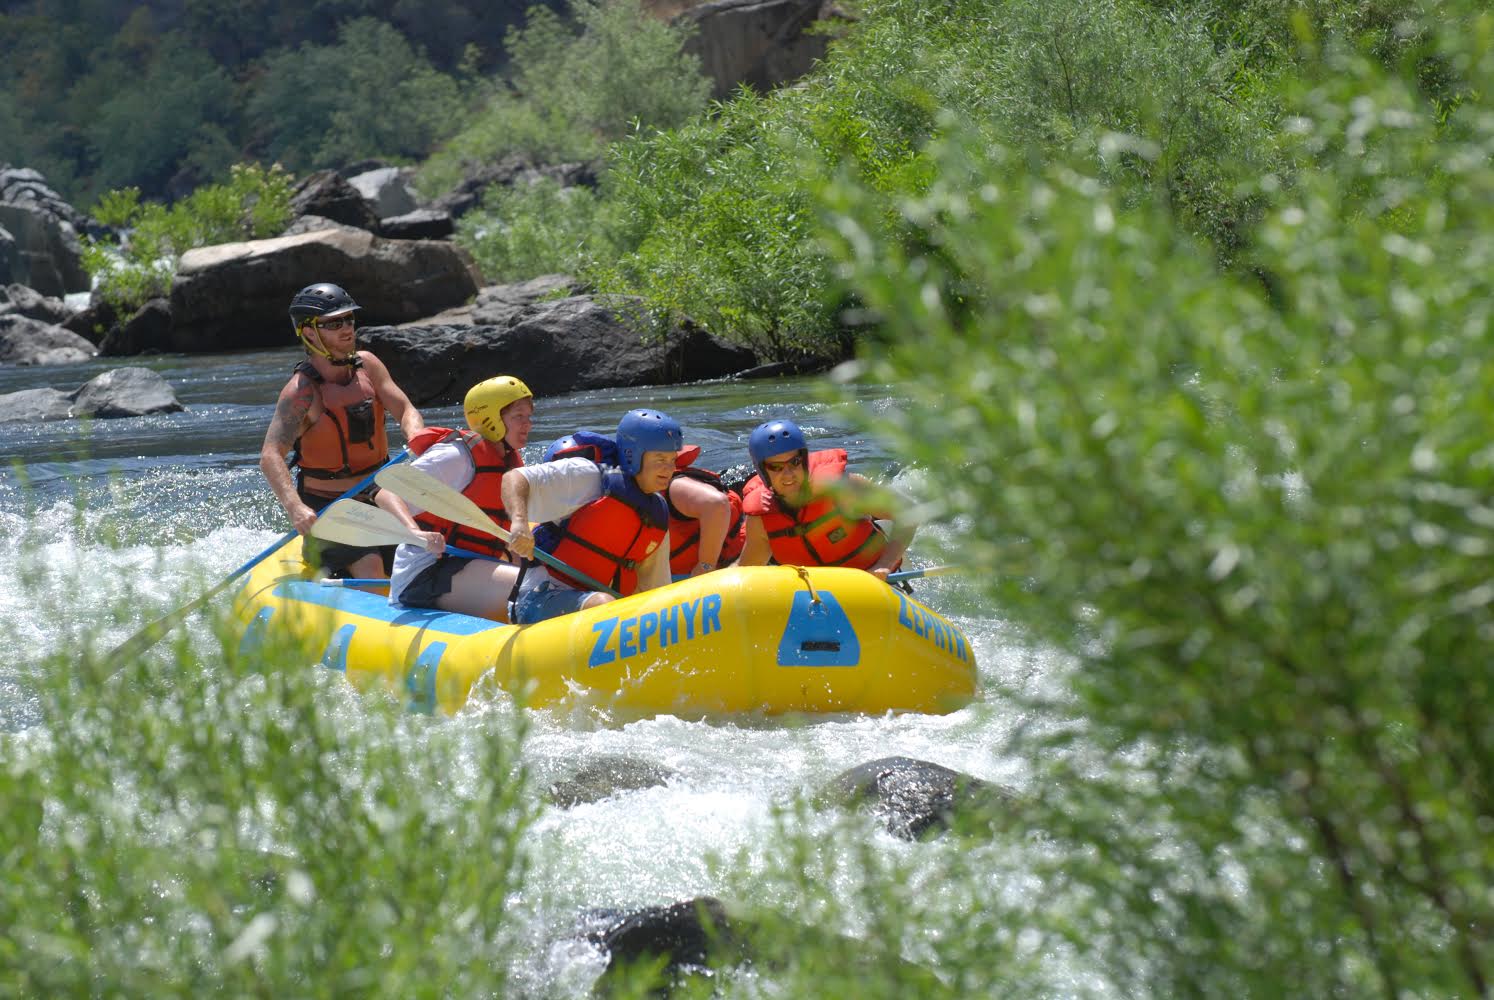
(335, 324)
(773, 468)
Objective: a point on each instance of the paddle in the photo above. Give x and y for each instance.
(914, 574)
(151, 633)
(429, 493)
(350, 522)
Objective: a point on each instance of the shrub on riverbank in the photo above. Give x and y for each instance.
(253, 204)
(718, 218)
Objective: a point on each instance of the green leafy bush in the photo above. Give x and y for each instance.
(253, 204)
(532, 229)
(569, 90)
(1251, 512)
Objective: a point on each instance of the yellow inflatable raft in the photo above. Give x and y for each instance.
(761, 639)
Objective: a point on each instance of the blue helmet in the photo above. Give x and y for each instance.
(600, 448)
(774, 438)
(645, 430)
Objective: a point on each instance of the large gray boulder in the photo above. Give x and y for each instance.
(27, 341)
(33, 406)
(147, 331)
(421, 224)
(326, 194)
(28, 302)
(762, 43)
(40, 248)
(121, 392)
(125, 392)
(555, 346)
(235, 295)
(386, 190)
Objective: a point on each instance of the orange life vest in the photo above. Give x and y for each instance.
(684, 532)
(486, 488)
(348, 438)
(817, 534)
(608, 538)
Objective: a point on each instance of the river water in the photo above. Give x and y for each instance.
(163, 503)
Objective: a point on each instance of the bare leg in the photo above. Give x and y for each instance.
(596, 599)
(367, 567)
(481, 588)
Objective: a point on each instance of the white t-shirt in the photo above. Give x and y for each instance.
(556, 491)
(451, 463)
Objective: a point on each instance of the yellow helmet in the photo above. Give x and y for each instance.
(485, 402)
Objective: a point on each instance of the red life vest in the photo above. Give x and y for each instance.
(348, 439)
(817, 534)
(608, 538)
(684, 532)
(486, 488)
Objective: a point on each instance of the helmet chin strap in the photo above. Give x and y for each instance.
(351, 361)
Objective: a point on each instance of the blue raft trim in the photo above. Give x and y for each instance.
(377, 607)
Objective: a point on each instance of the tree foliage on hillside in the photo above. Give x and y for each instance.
(156, 94)
(573, 86)
(370, 93)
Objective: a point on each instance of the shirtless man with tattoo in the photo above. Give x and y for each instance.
(330, 420)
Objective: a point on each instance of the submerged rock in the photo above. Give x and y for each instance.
(916, 798)
(604, 776)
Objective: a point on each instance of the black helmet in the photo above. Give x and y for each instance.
(321, 299)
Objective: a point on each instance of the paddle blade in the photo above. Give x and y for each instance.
(352, 522)
(428, 493)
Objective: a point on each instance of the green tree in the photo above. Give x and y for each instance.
(371, 94)
(175, 116)
(570, 89)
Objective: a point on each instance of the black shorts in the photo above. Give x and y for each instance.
(335, 558)
(432, 582)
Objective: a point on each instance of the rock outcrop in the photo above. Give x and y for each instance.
(120, 392)
(555, 346)
(39, 245)
(762, 43)
(605, 776)
(26, 341)
(234, 296)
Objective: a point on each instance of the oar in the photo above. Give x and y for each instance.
(352, 522)
(150, 634)
(914, 574)
(429, 493)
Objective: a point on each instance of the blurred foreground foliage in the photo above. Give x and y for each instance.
(185, 825)
(1252, 506)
